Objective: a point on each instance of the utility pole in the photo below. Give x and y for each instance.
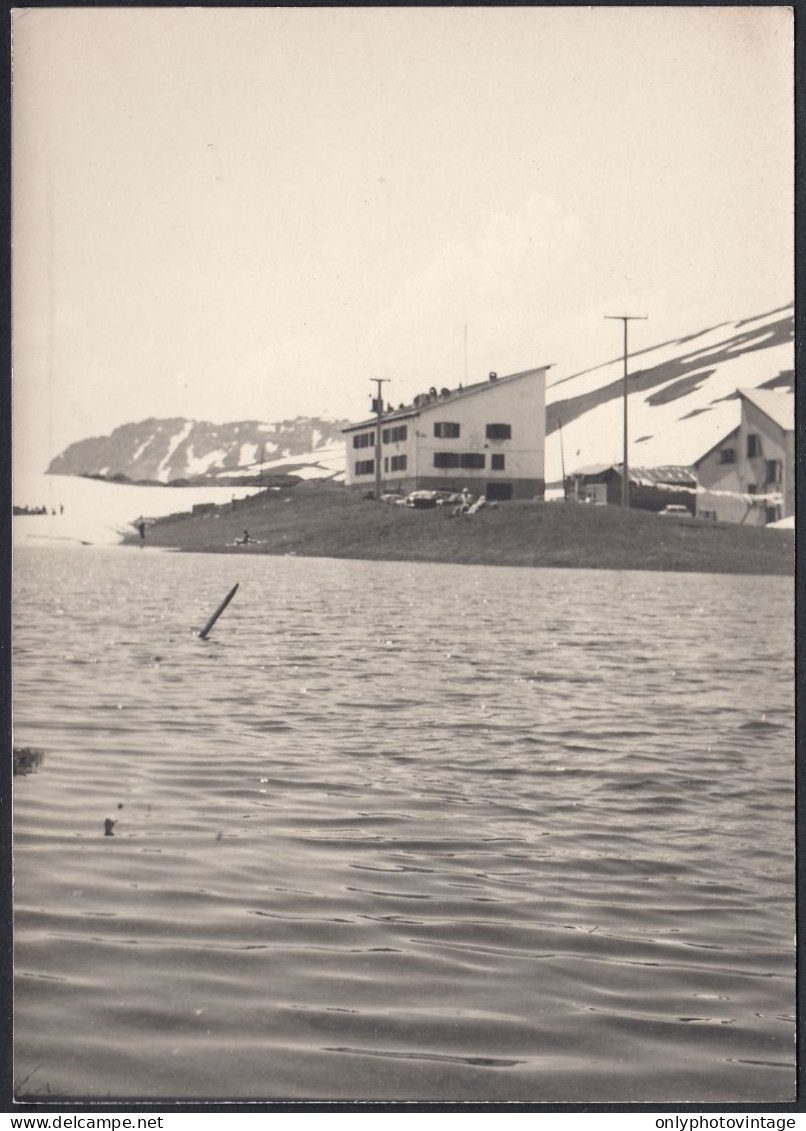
(625, 470)
(377, 405)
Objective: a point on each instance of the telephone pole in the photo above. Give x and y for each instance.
(625, 470)
(377, 405)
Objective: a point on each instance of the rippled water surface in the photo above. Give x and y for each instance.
(402, 831)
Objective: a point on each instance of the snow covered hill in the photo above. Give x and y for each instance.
(682, 395)
(84, 510)
(165, 451)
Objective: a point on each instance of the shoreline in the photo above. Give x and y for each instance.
(325, 520)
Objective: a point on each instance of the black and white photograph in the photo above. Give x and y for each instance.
(403, 547)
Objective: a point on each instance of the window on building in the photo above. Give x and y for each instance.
(399, 463)
(499, 431)
(774, 469)
(497, 462)
(727, 455)
(386, 463)
(459, 459)
(772, 514)
(752, 445)
(394, 435)
(364, 440)
(445, 430)
(365, 467)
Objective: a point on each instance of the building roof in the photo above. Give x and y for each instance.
(779, 407)
(644, 476)
(728, 436)
(669, 473)
(593, 469)
(433, 399)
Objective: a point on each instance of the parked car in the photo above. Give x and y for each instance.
(422, 499)
(675, 510)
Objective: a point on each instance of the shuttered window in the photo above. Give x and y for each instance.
(395, 435)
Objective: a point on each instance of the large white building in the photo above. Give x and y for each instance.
(488, 438)
(749, 475)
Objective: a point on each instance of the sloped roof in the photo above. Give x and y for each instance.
(669, 473)
(780, 407)
(727, 436)
(444, 398)
(644, 476)
(593, 469)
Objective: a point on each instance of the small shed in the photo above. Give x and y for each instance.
(651, 488)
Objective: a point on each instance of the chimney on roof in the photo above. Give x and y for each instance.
(493, 376)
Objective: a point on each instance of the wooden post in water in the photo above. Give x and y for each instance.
(219, 611)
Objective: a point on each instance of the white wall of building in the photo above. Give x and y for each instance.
(744, 490)
(517, 401)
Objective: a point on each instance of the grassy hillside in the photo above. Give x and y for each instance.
(323, 520)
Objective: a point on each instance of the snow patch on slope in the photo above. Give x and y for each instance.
(162, 472)
(198, 466)
(324, 463)
(247, 455)
(100, 513)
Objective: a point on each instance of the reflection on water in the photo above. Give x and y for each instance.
(402, 831)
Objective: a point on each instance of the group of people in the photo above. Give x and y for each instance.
(37, 510)
(467, 506)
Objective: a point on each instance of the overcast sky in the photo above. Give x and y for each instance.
(231, 214)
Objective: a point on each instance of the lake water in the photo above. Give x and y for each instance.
(402, 832)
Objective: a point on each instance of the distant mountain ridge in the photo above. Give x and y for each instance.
(165, 451)
(682, 399)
